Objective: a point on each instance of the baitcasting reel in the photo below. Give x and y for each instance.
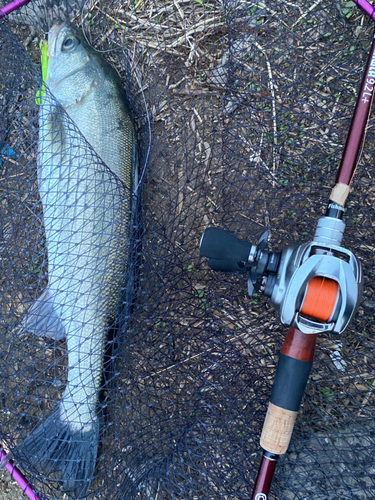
(315, 287)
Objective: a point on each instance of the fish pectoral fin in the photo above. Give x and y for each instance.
(52, 138)
(43, 320)
(56, 132)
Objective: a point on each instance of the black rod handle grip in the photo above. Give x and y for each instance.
(292, 373)
(225, 252)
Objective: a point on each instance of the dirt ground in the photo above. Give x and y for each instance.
(9, 488)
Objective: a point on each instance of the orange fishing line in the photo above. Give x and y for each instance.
(320, 298)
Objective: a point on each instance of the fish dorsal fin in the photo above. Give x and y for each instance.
(42, 318)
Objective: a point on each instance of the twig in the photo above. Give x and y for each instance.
(273, 103)
(258, 159)
(195, 356)
(202, 26)
(295, 6)
(273, 12)
(180, 11)
(148, 43)
(305, 13)
(367, 398)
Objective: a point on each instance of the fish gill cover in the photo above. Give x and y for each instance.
(241, 110)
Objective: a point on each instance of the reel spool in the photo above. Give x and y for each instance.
(321, 297)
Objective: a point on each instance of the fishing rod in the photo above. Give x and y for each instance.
(314, 287)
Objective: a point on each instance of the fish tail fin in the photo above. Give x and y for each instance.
(63, 452)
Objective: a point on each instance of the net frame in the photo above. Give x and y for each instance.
(210, 336)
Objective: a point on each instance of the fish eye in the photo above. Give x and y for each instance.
(69, 43)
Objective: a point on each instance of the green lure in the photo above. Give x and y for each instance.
(44, 60)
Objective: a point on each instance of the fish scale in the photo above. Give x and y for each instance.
(87, 211)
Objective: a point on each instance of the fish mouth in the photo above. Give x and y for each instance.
(52, 38)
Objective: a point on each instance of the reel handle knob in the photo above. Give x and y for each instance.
(225, 252)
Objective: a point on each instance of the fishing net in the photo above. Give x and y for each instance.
(241, 111)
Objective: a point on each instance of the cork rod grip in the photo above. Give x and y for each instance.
(339, 194)
(277, 429)
(292, 372)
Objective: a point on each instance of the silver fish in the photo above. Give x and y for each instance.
(87, 211)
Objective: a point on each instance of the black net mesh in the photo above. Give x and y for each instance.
(241, 110)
